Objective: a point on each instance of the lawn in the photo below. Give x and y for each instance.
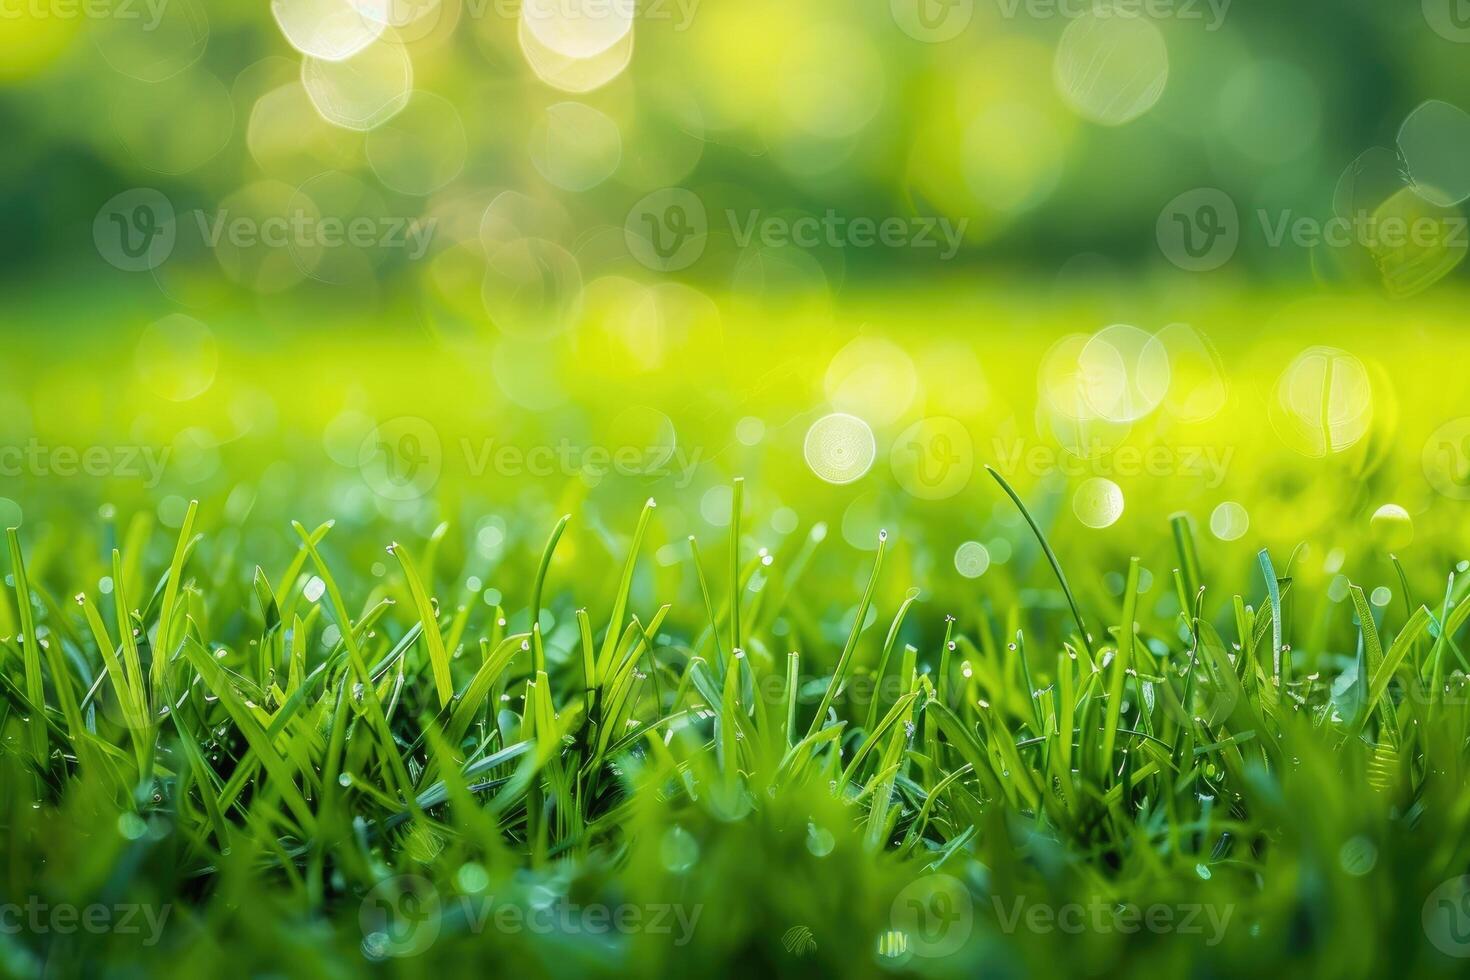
(559, 488)
(697, 708)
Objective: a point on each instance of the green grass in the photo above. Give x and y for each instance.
(314, 766)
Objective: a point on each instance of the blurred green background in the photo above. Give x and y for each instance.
(405, 261)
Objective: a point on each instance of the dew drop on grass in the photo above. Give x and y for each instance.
(1203, 871)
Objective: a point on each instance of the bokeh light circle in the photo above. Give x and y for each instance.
(532, 288)
(576, 147)
(1197, 389)
(419, 149)
(1323, 402)
(579, 28)
(1125, 373)
(1098, 502)
(1229, 521)
(327, 29)
(573, 74)
(1435, 143)
(873, 378)
(971, 559)
(363, 91)
(1111, 69)
(840, 448)
(177, 357)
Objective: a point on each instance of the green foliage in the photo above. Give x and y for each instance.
(265, 790)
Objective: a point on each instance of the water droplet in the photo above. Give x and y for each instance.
(819, 841)
(678, 850)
